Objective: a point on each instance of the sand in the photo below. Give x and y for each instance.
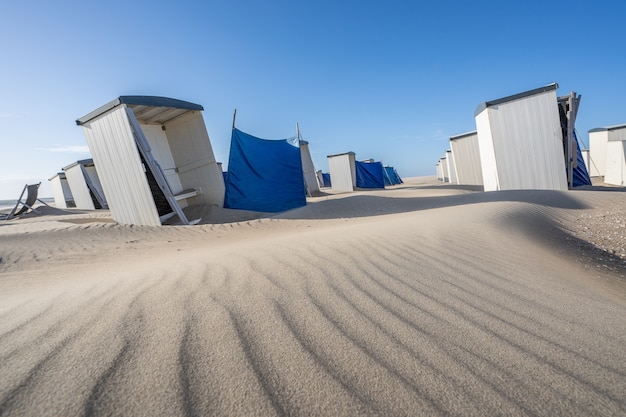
(421, 299)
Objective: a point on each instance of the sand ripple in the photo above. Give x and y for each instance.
(465, 310)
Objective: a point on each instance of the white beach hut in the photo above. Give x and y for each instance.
(439, 170)
(84, 182)
(308, 169)
(599, 147)
(61, 191)
(342, 171)
(614, 139)
(443, 161)
(467, 158)
(451, 167)
(154, 158)
(521, 141)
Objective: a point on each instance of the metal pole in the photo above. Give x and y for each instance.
(234, 117)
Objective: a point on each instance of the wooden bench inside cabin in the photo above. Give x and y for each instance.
(191, 192)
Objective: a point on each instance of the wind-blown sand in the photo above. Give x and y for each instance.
(422, 299)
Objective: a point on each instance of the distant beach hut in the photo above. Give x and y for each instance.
(61, 191)
(444, 165)
(466, 156)
(521, 141)
(599, 149)
(452, 178)
(613, 139)
(439, 170)
(342, 171)
(85, 185)
(154, 158)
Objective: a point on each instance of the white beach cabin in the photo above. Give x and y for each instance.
(444, 165)
(439, 170)
(342, 171)
(600, 150)
(451, 167)
(61, 191)
(467, 158)
(154, 158)
(521, 141)
(613, 138)
(84, 182)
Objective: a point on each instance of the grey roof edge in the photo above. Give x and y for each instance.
(607, 128)
(484, 105)
(463, 135)
(81, 162)
(339, 154)
(58, 174)
(154, 101)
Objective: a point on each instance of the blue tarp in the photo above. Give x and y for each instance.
(392, 177)
(264, 175)
(369, 175)
(580, 174)
(326, 178)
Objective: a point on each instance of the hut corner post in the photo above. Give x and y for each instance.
(570, 105)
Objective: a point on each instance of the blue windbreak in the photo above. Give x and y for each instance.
(264, 175)
(326, 178)
(369, 175)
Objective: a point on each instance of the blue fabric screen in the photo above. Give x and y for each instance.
(580, 175)
(264, 175)
(369, 175)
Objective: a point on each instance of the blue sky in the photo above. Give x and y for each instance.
(387, 80)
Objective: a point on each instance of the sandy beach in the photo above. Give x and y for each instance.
(424, 299)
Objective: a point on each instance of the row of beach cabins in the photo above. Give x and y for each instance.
(528, 141)
(152, 158)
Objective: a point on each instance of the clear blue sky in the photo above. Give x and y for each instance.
(389, 80)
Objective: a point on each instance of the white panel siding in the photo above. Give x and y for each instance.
(466, 154)
(615, 162)
(488, 163)
(80, 191)
(308, 170)
(192, 152)
(342, 172)
(120, 170)
(527, 143)
(597, 153)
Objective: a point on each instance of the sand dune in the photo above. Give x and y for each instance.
(423, 299)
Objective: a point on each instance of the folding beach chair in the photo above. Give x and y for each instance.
(31, 191)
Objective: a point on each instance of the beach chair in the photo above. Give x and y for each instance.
(31, 191)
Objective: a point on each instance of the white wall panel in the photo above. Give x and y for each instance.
(308, 169)
(60, 190)
(342, 171)
(80, 191)
(466, 154)
(120, 170)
